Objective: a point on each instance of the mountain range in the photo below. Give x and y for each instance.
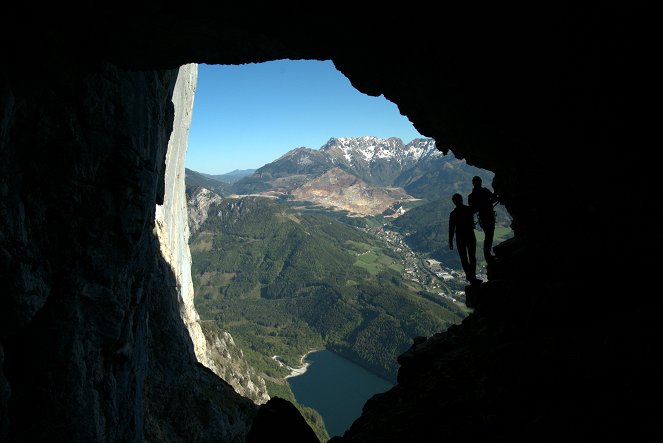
(364, 175)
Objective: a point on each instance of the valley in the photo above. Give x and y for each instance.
(428, 273)
(342, 248)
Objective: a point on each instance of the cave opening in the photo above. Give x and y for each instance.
(271, 138)
(555, 100)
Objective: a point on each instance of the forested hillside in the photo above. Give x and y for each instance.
(426, 230)
(194, 179)
(284, 281)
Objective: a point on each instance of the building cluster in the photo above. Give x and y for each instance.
(427, 272)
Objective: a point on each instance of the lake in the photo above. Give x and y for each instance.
(337, 388)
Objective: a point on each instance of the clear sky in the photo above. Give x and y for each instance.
(249, 115)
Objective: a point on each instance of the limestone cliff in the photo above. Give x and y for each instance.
(227, 360)
(220, 354)
(171, 220)
(198, 204)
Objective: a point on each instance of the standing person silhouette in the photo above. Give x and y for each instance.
(461, 224)
(481, 201)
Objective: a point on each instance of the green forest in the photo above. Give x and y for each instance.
(284, 282)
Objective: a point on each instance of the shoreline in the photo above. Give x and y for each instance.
(294, 372)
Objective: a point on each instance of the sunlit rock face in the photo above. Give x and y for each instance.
(198, 205)
(171, 223)
(564, 337)
(227, 361)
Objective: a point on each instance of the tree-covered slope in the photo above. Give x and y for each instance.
(284, 282)
(231, 177)
(194, 179)
(426, 230)
(440, 177)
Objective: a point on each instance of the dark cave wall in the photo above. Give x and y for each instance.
(83, 166)
(553, 100)
(92, 343)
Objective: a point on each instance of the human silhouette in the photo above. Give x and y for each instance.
(461, 224)
(482, 201)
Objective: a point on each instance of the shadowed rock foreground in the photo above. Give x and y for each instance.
(563, 343)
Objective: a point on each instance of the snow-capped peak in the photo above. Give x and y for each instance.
(369, 148)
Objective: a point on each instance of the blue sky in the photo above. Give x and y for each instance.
(249, 115)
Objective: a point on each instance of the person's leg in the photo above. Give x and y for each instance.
(472, 255)
(472, 259)
(489, 231)
(461, 246)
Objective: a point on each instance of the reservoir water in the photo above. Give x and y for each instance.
(336, 388)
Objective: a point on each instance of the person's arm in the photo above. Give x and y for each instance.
(472, 203)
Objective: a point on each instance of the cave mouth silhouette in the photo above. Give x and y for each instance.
(556, 104)
(240, 96)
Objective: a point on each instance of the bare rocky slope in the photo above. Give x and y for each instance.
(339, 190)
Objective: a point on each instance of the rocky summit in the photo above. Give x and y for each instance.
(340, 190)
(377, 160)
(362, 175)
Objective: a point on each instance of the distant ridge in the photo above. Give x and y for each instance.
(231, 177)
(196, 179)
